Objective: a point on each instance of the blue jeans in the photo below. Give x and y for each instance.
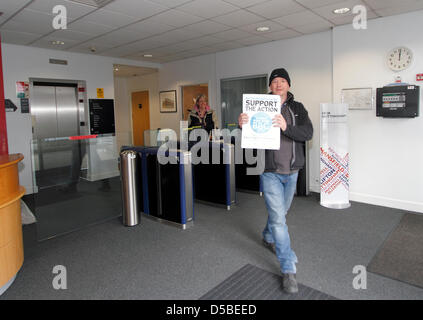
(278, 190)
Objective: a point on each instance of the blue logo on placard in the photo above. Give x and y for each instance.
(261, 122)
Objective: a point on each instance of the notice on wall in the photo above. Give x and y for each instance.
(100, 93)
(259, 132)
(22, 89)
(102, 117)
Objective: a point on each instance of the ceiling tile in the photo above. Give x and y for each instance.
(384, 12)
(252, 28)
(206, 27)
(382, 4)
(238, 18)
(207, 8)
(300, 18)
(244, 3)
(171, 3)
(109, 18)
(73, 10)
(284, 34)
(89, 27)
(253, 40)
(117, 38)
(175, 18)
(71, 35)
(148, 28)
(10, 7)
(30, 21)
(317, 3)
(146, 44)
(232, 34)
(175, 36)
(314, 27)
(139, 9)
(276, 8)
(16, 37)
(205, 41)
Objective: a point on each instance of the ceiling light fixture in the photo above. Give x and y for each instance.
(57, 43)
(148, 56)
(262, 29)
(341, 10)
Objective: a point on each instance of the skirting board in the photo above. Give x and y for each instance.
(381, 201)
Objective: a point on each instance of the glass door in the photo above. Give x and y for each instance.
(231, 91)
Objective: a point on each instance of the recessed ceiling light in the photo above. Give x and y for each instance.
(57, 43)
(148, 56)
(341, 10)
(262, 29)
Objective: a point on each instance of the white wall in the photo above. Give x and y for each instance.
(386, 154)
(175, 75)
(22, 62)
(307, 59)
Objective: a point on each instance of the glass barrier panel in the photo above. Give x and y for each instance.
(77, 183)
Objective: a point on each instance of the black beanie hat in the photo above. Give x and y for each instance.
(282, 73)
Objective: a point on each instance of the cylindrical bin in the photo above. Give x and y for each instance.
(128, 174)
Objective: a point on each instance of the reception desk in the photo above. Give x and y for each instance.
(11, 243)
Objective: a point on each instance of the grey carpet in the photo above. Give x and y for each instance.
(158, 261)
(401, 256)
(252, 283)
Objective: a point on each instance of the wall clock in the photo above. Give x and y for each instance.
(399, 59)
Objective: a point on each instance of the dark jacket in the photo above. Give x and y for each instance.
(300, 131)
(208, 123)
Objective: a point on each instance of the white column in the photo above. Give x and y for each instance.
(334, 156)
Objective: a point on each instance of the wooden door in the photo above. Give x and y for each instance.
(140, 116)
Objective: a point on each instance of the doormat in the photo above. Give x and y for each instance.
(401, 255)
(252, 283)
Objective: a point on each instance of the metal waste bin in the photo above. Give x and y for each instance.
(128, 174)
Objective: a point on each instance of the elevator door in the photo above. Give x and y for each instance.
(55, 111)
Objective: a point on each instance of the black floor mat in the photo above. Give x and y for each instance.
(252, 283)
(401, 255)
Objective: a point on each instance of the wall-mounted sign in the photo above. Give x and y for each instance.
(102, 116)
(22, 89)
(100, 93)
(24, 105)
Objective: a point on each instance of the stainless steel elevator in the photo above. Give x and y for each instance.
(58, 112)
(54, 108)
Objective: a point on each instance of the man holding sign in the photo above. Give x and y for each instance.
(279, 179)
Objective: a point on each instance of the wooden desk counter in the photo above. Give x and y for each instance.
(11, 243)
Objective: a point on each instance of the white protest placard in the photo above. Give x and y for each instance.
(259, 132)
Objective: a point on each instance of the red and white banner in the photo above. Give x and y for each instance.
(334, 156)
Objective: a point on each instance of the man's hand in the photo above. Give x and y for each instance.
(242, 119)
(279, 121)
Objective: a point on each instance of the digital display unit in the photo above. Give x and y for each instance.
(398, 101)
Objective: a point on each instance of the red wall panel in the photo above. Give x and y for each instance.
(3, 128)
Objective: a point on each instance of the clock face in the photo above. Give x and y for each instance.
(399, 58)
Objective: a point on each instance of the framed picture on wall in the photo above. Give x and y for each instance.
(168, 101)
